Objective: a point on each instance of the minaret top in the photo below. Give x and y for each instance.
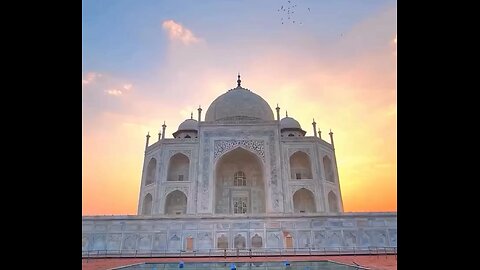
(239, 81)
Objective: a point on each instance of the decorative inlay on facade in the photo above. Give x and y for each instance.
(185, 152)
(295, 188)
(183, 189)
(291, 151)
(256, 146)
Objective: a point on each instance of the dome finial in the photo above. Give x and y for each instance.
(191, 115)
(286, 113)
(239, 81)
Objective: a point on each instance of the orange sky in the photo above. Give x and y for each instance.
(348, 85)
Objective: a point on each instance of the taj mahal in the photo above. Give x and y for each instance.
(241, 178)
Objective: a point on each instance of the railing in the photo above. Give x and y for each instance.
(234, 252)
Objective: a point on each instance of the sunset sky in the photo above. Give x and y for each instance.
(145, 62)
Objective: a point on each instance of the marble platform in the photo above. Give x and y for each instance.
(201, 233)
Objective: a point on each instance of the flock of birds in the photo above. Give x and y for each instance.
(287, 12)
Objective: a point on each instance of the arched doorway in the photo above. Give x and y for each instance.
(288, 241)
(304, 201)
(239, 183)
(176, 203)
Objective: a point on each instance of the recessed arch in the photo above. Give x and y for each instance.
(239, 241)
(239, 183)
(147, 205)
(327, 166)
(257, 241)
(304, 201)
(176, 203)
(300, 166)
(332, 202)
(178, 168)
(151, 168)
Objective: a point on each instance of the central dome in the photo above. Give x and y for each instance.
(239, 104)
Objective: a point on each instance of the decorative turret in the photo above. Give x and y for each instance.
(290, 127)
(163, 130)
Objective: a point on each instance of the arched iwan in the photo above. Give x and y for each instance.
(239, 183)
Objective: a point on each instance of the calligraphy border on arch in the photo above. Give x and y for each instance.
(222, 146)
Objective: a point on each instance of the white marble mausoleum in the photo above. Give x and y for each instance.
(240, 178)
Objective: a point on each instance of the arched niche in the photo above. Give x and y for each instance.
(300, 166)
(304, 201)
(178, 168)
(151, 168)
(147, 205)
(327, 166)
(332, 202)
(176, 203)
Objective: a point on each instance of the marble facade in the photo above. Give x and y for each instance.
(239, 179)
(315, 232)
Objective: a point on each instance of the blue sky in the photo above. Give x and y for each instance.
(125, 35)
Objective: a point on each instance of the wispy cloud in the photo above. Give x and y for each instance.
(176, 31)
(114, 92)
(90, 77)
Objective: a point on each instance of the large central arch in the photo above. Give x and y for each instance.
(239, 183)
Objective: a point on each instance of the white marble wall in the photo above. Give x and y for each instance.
(170, 234)
(263, 140)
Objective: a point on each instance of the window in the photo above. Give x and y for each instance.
(180, 177)
(290, 135)
(298, 175)
(239, 179)
(239, 205)
(188, 136)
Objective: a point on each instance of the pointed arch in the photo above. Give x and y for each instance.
(176, 203)
(332, 202)
(151, 168)
(327, 166)
(178, 168)
(147, 205)
(300, 166)
(304, 201)
(239, 183)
